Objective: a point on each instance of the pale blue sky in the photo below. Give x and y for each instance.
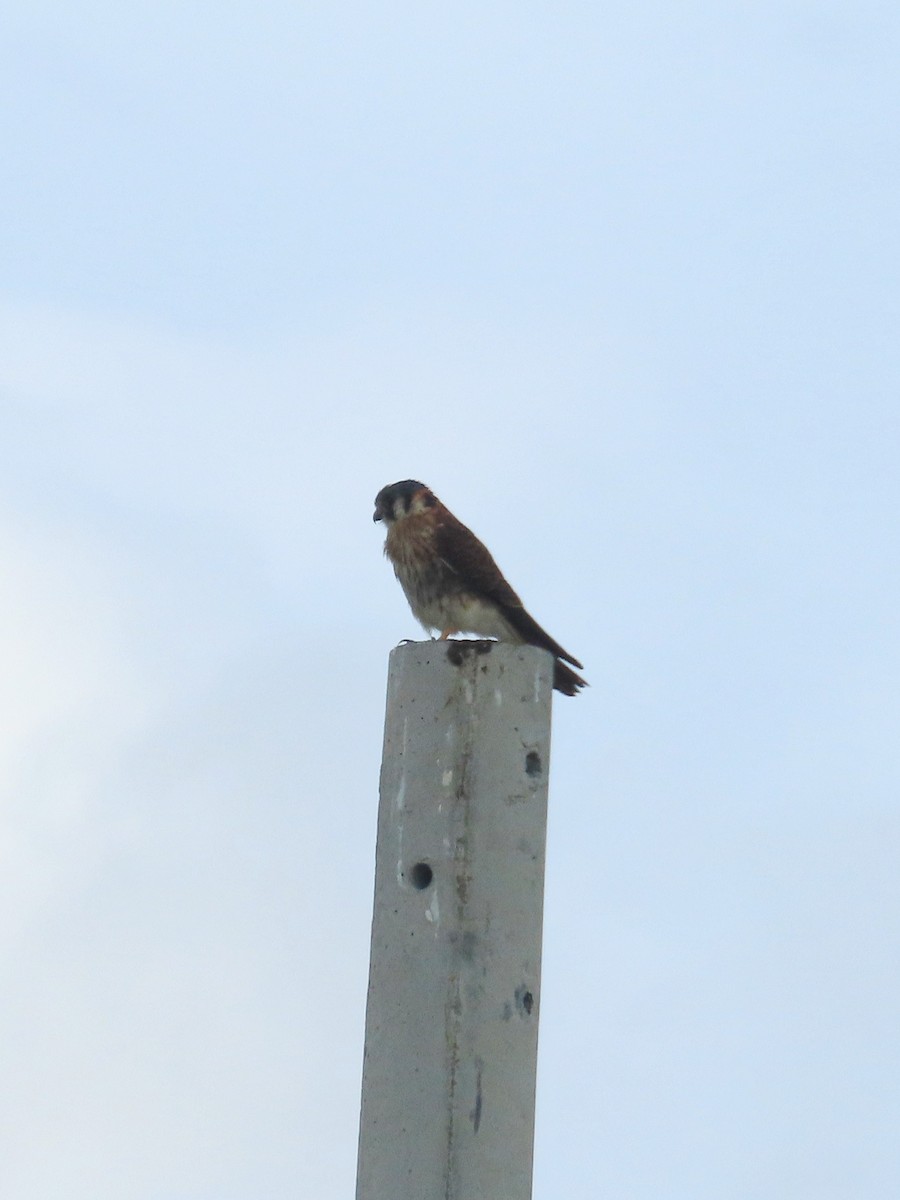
(620, 283)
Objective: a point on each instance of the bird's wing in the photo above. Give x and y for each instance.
(471, 560)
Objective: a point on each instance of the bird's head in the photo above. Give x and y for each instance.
(403, 499)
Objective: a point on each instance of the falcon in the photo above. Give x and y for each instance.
(451, 581)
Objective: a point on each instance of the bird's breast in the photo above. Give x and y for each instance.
(438, 596)
(430, 586)
(421, 572)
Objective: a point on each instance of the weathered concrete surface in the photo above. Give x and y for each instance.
(454, 983)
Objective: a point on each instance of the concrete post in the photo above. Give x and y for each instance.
(454, 977)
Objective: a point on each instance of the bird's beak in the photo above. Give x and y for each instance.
(377, 515)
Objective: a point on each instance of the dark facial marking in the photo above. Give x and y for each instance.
(404, 490)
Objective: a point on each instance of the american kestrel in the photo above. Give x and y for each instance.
(451, 581)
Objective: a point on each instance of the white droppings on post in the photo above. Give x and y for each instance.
(398, 805)
(433, 911)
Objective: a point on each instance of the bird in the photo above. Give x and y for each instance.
(451, 581)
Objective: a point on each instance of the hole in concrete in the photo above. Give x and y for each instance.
(455, 654)
(459, 651)
(524, 1000)
(420, 876)
(532, 763)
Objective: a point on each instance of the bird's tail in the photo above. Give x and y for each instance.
(566, 681)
